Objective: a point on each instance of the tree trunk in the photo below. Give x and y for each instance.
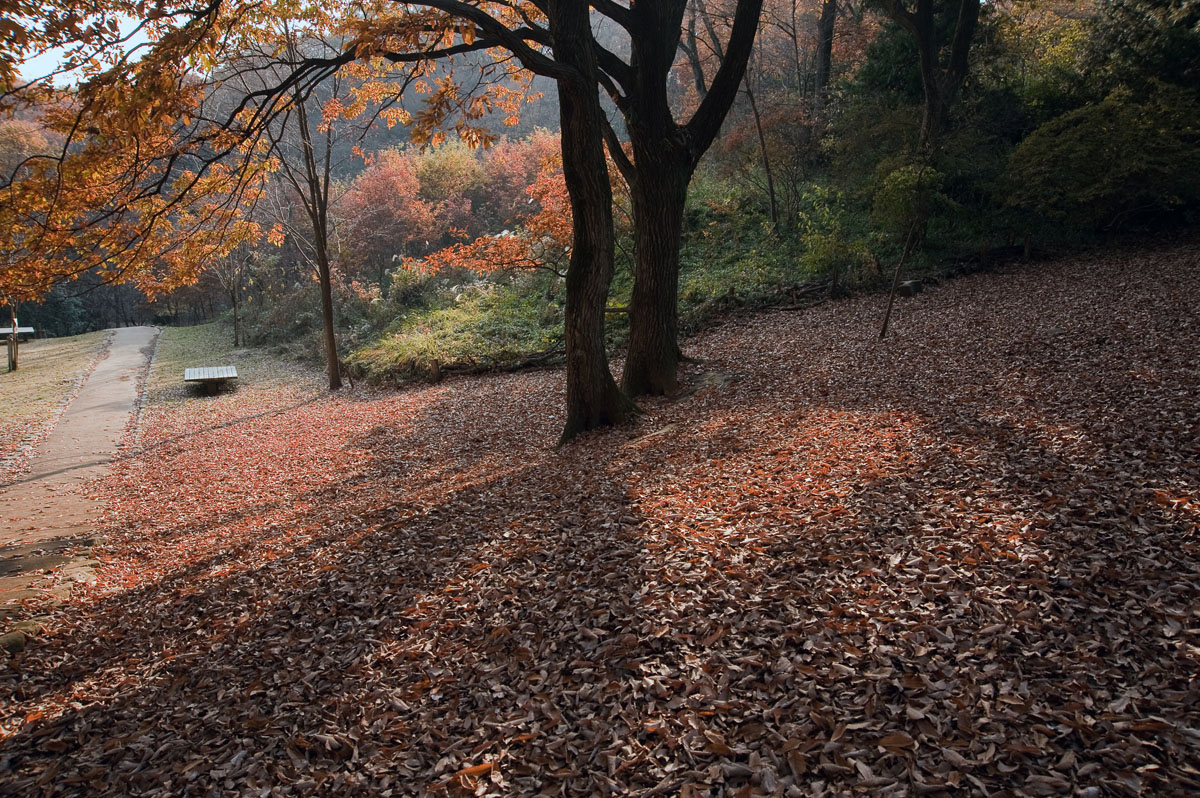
(659, 197)
(237, 321)
(593, 398)
(665, 155)
(14, 346)
(940, 83)
(332, 364)
(315, 195)
(766, 159)
(933, 121)
(824, 55)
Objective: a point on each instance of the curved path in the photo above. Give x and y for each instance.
(45, 518)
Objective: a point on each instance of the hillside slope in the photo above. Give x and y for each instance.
(962, 561)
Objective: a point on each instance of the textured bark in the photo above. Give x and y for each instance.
(593, 398)
(659, 196)
(665, 154)
(824, 55)
(332, 364)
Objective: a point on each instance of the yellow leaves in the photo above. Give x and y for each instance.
(395, 116)
(276, 236)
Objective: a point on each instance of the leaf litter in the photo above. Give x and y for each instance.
(962, 561)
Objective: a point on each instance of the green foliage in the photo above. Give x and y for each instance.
(830, 248)
(1104, 164)
(730, 257)
(481, 326)
(1138, 42)
(448, 170)
(910, 195)
(867, 131)
(61, 312)
(891, 66)
(288, 317)
(1029, 66)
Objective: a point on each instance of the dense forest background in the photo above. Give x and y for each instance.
(1074, 122)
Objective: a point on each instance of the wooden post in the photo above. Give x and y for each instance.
(908, 245)
(13, 350)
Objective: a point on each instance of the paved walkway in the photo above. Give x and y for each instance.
(46, 521)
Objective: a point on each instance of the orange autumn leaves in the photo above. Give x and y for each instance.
(542, 240)
(88, 200)
(501, 208)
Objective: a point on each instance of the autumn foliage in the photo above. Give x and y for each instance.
(542, 238)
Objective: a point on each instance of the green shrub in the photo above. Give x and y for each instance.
(491, 325)
(830, 249)
(910, 195)
(1105, 164)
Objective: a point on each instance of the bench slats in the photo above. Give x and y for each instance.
(207, 373)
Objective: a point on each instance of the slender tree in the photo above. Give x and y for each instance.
(303, 146)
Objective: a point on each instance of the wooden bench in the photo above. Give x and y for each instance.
(211, 377)
(11, 336)
(22, 332)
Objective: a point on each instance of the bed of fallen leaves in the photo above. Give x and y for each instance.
(963, 561)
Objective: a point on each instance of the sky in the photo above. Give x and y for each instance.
(45, 63)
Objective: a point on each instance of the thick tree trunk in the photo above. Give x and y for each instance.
(824, 55)
(665, 155)
(593, 398)
(933, 121)
(940, 83)
(659, 197)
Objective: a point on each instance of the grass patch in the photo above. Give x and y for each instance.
(32, 395)
(483, 327)
(211, 344)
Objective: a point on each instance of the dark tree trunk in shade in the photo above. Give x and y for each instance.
(332, 363)
(659, 196)
(824, 55)
(593, 398)
(665, 154)
(940, 81)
